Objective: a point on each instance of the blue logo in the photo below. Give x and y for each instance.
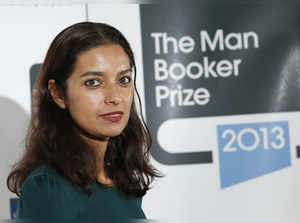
(251, 150)
(13, 207)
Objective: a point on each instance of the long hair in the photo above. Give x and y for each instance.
(51, 138)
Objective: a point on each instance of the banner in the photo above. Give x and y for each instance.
(222, 86)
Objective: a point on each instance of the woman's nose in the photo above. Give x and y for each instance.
(112, 95)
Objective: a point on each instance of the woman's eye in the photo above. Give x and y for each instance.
(125, 80)
(92, 83)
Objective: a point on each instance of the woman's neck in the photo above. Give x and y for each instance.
(99, 147)
(100, 150)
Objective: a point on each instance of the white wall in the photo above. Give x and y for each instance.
(26, 33)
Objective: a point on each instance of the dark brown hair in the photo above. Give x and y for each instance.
(52, 139)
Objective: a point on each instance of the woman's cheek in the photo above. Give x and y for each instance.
(95, 98)
(129, 95)
(82, 101)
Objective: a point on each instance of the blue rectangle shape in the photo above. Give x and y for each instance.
(251, 150)
(13, 207)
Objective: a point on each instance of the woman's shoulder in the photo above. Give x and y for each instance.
(46, 193)
(44, 173)
(43, 170)
(48, 182)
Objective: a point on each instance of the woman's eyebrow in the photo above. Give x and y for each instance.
(99, 73)
(92, 73)
(125, 71)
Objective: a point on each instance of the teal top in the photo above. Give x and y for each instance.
(47, 194)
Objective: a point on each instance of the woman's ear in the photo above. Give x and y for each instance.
(56, 94)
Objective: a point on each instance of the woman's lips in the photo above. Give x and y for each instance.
(113, 116)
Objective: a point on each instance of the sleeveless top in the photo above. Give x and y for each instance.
(48, 195)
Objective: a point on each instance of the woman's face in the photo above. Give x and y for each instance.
(100, 91)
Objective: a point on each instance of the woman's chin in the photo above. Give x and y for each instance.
(108, 134)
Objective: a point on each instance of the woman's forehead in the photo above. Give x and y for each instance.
(103, 58)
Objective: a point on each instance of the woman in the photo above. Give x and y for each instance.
(87, 149)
